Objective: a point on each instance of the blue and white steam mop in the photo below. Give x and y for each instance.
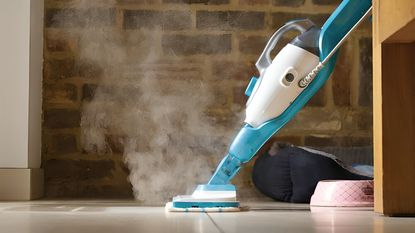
(284, 86)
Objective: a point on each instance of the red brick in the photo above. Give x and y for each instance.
(137, 1)
(234, 70)
(166, 20)
(79, 18)
(59, 93)
(365, 120)
(87, 69)
(59, 43)
(115, 143)
(295, 140)
(55, 69)
(280, 18)
(319, 99)
(365, 72)
(88, 91)
(230, 20)
(78, 169)
(327, 2)
(254, 2)
(289, 3)
(61, 144)
(61, 118)
(252, 44)
(196, 44)
(206, 2)
(239, 96)
(342, 77)
(76, 189)
(337, 141)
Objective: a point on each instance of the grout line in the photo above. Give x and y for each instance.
(214, 223)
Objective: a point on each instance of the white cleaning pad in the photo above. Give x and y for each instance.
(169, 207)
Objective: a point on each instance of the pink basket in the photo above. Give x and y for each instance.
(343, 193)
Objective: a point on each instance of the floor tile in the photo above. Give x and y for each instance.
(127, 216)
(102, 218)
(280, 217)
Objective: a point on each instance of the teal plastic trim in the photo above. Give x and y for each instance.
(249, 140)
(206, 187)
(187, 205)
(251, 86)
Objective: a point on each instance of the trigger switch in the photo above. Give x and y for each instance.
(251, 86)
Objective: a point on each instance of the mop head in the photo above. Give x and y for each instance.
(206, 198)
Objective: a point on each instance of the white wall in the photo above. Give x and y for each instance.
(20, 82)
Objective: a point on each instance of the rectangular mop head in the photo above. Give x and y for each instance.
(206, 198)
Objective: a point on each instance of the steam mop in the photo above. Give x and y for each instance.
(284, 86)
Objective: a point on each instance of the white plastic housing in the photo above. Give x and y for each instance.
(273, 93)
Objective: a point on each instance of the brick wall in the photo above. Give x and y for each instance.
(207, 43)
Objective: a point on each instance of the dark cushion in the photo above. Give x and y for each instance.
(292, 174)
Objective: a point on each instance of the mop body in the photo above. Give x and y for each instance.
(206, 198)
(285, 84)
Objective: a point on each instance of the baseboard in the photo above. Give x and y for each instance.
(21, 184)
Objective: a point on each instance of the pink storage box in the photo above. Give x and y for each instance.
(343, 193)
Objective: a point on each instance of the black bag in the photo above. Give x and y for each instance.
(291, 173)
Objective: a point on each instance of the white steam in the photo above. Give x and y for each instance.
(155, 108)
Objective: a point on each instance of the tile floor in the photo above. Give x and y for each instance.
(126, 217)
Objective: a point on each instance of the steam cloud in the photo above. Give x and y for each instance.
(169, 143)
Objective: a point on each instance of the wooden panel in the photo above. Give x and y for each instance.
(398, 123)
(377, 110)
(405, 35)
(394, 106)
(394, 15)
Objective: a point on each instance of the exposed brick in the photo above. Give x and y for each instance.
(206, 2)
(234, 70)
(327, 2)
(239, 96)
(295, 140)
(342, 141)
(252, 44)
(62, 144)
(280, 18)
(166, 20)
(230, 20)
(88, 189)
(365, 72)
(88, 91)
(61, 118)
(254, 2)
(290, 3)
(173, 75)
(319, 141)
(319, 99)
(59, 43)
(115, 143)
(78, 170)
(59, 93)
(198, 44)
(341, 77)
(351, 141)
(222, 120)
(365, 120)
(121, 93)
(221, 97)
(137, 1)
(88, 69)
(79, 18)
(59, 69)
(316, 119)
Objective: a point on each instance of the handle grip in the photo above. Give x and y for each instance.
(264, 60)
